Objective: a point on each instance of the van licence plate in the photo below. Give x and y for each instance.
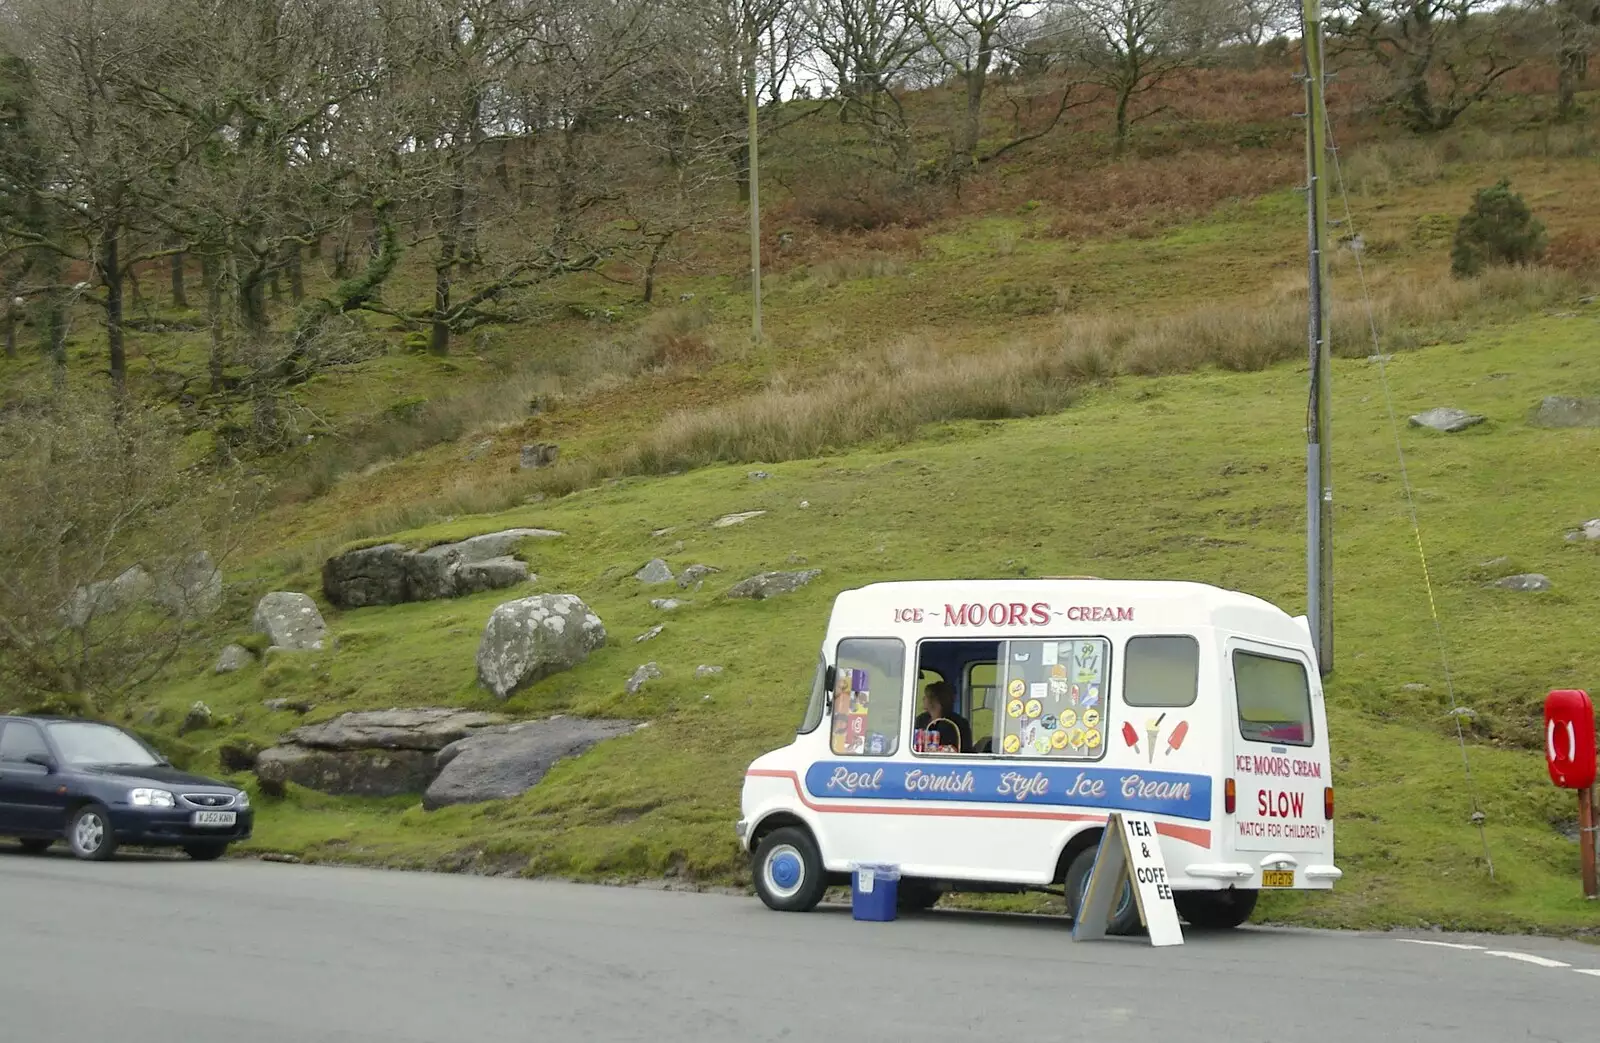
(213, 818)
(1277, 878)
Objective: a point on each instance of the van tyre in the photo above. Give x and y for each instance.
(90, 835)
(788, 870)
(1124, 908)
(1216, 910)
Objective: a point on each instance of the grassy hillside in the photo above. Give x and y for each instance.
(1083, 365)
(1196, 476)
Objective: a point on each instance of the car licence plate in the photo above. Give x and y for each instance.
(213, 818)
(1277, 878)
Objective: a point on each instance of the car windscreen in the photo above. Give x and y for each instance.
(84, 743)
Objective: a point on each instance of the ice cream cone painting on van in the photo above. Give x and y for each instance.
(1152, 729)
(1067, 693)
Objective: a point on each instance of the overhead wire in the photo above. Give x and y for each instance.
(1456, 712)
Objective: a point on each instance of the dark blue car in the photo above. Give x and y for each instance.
(96, 786)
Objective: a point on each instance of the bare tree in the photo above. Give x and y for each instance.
(21, 182)
(864, 48)
(254, 90)
(110, 549)
(1569, 29)
(81, 56)
(1130, 48)
(734, 47)
(675, 152)
(970, 39)
(1437, 58)
(454, 58)
(1254, 22)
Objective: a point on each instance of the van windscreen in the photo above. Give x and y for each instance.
(868, 688)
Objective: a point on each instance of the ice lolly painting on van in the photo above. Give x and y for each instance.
(1199, 706)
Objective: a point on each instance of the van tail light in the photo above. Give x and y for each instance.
(1327, 802)
(1229, 797)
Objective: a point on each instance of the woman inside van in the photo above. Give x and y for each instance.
(938, 711)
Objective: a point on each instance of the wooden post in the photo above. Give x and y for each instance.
(1586, 831)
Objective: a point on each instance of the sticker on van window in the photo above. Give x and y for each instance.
(851, 697)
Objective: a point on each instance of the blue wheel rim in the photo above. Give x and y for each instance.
(1123, 900)
(786, 870)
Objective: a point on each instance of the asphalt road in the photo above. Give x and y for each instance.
(146, 950)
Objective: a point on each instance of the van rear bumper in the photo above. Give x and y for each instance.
(1237, 872)
(1218, 870)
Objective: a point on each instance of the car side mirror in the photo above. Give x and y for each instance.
(43, 760)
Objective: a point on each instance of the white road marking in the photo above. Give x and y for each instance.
(1442, 945)
(1585, 970)
(1539, 961)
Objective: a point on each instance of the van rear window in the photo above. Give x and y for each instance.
(1274, 698)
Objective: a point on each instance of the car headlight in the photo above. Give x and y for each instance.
(150, 798)
(244, 799)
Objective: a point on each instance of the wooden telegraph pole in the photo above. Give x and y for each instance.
(755, 189)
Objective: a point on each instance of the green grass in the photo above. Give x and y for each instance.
(1195, 476)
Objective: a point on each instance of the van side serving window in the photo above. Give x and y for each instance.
(1055, 693)
(868, 689)
(819, 695)
(1161, 671)
(1274, 699)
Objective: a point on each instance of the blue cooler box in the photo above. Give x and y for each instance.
(873, 891)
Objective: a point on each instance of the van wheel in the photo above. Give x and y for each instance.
(1215, 909)
(1124, 910)
(788, 871)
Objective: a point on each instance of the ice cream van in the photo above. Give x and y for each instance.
(976, 734)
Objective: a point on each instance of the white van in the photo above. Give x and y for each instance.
(1071, 698)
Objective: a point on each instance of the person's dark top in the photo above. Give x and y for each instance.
(960, 736)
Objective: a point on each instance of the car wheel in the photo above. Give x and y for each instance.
(1216, 909)
(89, 834)
(1124, 909)
(36, 845)
(789, 874)
(205, 852)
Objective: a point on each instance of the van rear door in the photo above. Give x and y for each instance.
(1280, 758)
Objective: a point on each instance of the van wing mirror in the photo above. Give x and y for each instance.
(830, 678)
(43, 760)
